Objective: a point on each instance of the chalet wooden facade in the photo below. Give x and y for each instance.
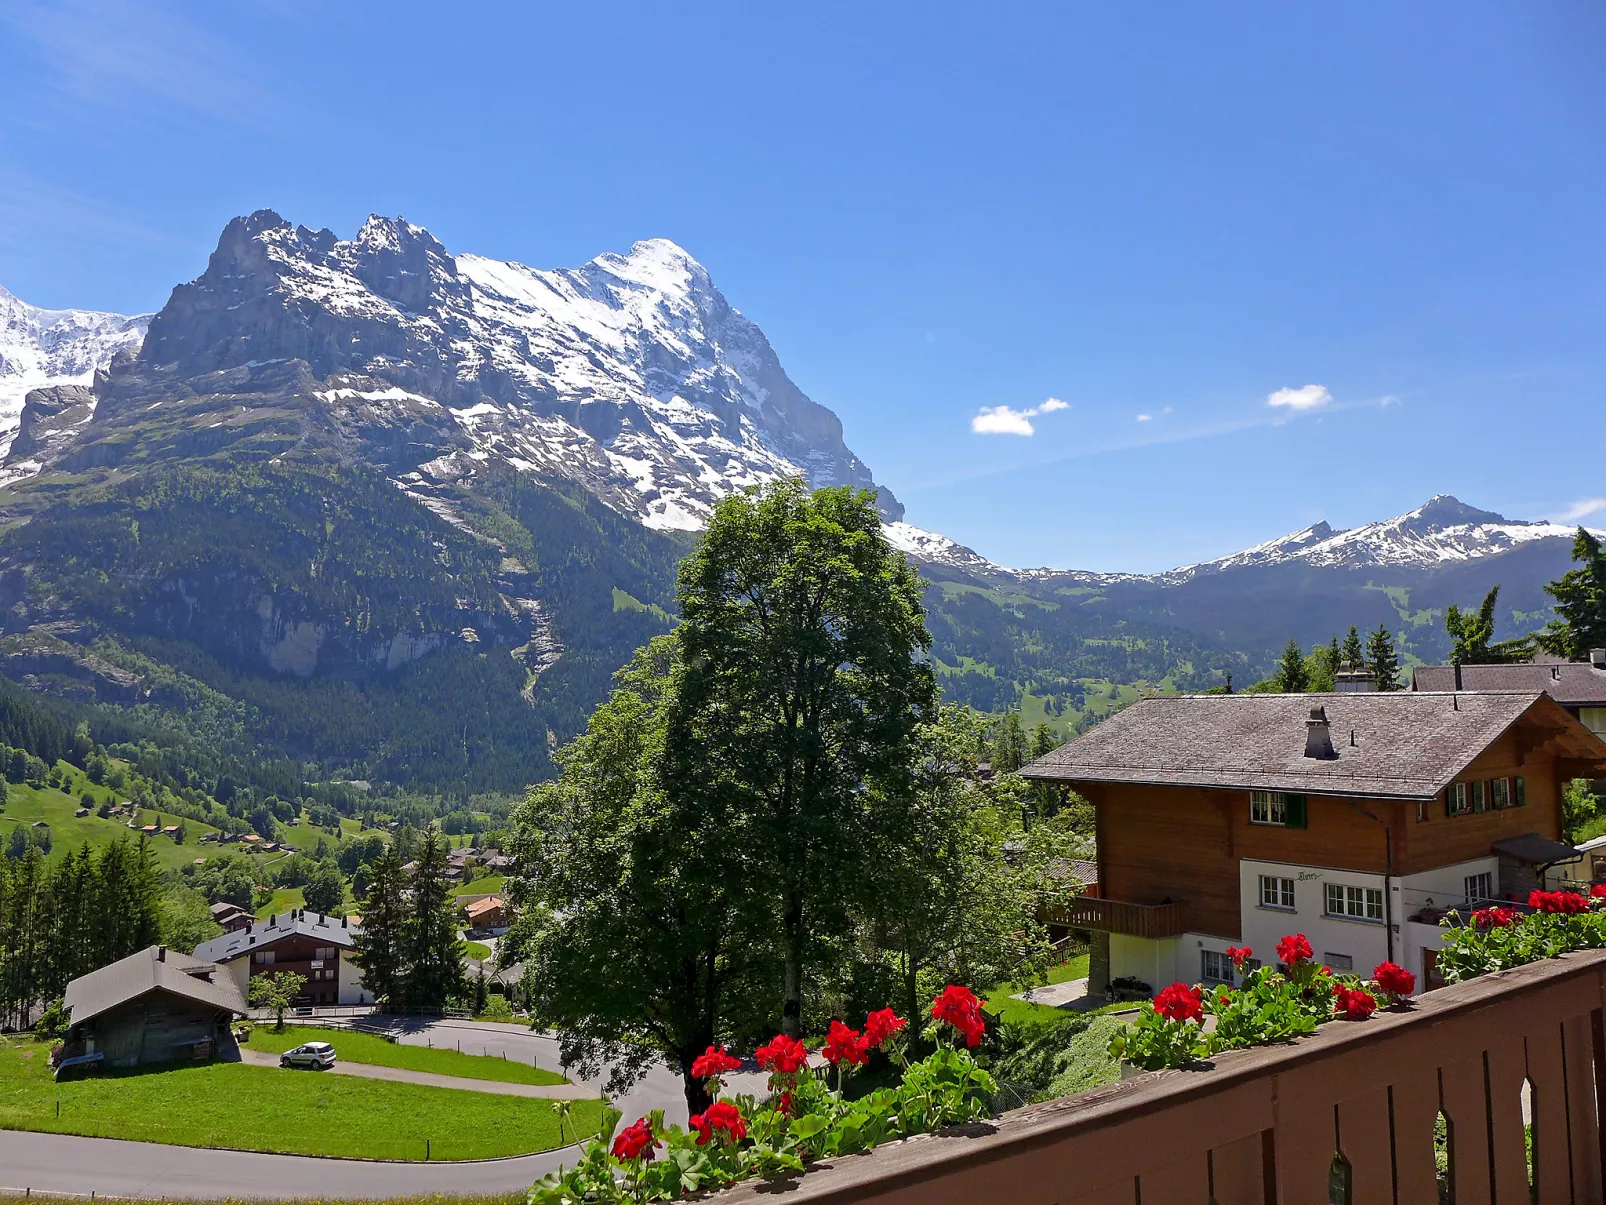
(1357, 819)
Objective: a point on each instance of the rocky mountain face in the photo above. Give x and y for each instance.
(41, 348)
(631, 376)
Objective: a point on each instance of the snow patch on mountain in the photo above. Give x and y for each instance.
(41, 347)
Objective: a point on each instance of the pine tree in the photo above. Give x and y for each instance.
(434, 952)
(1353, 650)
(380, 942)
(1580, 594)
(1382, 660)
(1471, 633)
(1007, 748)
(1291, 678)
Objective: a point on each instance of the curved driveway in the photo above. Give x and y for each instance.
(66, 1163)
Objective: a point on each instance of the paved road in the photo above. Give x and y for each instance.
(261, 1058)
(65, 1163)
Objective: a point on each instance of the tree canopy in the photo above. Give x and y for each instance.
(1580, 600)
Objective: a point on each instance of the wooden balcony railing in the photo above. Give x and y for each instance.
(1118, 916)
(1348, 1114)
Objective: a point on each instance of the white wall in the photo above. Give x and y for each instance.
(1153, 961)
(1366, 942)
(349, 981)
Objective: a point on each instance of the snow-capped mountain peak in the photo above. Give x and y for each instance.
(40, 348)
(631, 375)
(1440, 530)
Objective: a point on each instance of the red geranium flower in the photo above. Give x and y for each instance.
(635, 1141)
(844, 1045)
(715, 1061)
(1239, 955)
(782, 1055)
(881, 1025)
(1394, 979)
(721, 1115)
(1353, 1003)
(1179, 1002)
(784, 1104)
(1494, 918)
(1557, 901)
(959, 1007)
(1598, 891)
(1294, 949)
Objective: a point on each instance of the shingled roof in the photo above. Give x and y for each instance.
(1573, 683)
(262, 934)
(152, 969)
(1405, 745)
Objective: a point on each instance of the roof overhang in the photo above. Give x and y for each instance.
(1535, 850)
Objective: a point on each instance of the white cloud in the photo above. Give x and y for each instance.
(1145, 418)
(1005, 420)
(1581, 509)
(1306, 397)
(1001, 420)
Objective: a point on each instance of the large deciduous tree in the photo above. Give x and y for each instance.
(802, 686)
(637, 928)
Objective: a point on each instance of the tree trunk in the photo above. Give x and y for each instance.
(697, 1097)
(911, 990)
(792, 976)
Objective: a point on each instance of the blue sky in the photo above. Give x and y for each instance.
(1163, 211)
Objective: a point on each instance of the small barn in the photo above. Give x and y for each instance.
(157, 1006)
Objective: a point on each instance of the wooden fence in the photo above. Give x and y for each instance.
(1347, 1115)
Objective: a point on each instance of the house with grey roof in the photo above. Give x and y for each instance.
(319, 948)
(156, 1006)
(1356, 818)
(1579, 686)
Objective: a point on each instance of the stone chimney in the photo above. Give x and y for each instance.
(1353, 679)
(1597, 658)
(161, 953)
(1319, 736)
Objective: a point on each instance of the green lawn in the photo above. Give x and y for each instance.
(265, 1109)
(1000, 999)
(25, 804)
(367, 1048)
(282, 900)
(489, 885)
(476, 950)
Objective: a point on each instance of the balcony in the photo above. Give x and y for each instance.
(1118, 916)
(1347, 1114)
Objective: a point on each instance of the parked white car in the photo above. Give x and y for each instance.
(314, 1056)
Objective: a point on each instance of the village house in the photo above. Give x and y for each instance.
(230, 917)
(317, 947)
(1579, 686)
(156, 1006)
(485, 913)
(1357, 819)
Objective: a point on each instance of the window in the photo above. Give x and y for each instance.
(1500, 792)
(1479, 887)
(1267, 807)
(1421, 811)
(1519, 791)
(1455, 799)
(1276, 892)
(1274, 807)
(1480, 796)
(264, 957)
(1215, 967)
(1354, 903)
(325, 952)
(1338, 962)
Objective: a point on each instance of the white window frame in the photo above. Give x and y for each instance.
(1349, 901)
(1456, 802)
(1478, 886)
(1499, 793)
(1280, 897)
(1215, 960)
(1268, 807)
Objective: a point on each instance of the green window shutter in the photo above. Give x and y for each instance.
(1294, 812)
